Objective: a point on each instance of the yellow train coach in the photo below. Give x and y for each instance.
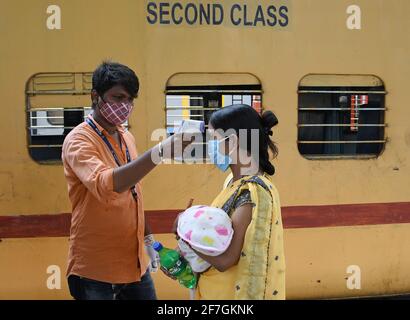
(334, 72)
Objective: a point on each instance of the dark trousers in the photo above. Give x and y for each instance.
(87, 289)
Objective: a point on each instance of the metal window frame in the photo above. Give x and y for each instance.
(187, 92)
(330, 109)
(39, 84)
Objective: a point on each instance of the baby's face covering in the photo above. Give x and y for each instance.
(207, 230)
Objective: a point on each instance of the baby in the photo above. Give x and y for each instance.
(206, 229)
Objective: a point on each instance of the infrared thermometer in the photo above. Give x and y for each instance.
(191, 126)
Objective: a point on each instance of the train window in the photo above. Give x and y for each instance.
(341, 116)
(196, 96)
(55, 104)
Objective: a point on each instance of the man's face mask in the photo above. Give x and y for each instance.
(219, 159)
(115, 113)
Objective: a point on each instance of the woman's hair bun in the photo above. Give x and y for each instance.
(269, 119)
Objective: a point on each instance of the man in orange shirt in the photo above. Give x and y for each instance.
(108, 233)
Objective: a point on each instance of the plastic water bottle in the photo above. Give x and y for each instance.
(176, 265)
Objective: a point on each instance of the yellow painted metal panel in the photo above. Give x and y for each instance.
(316, 266)
(207, 78)
(318, 42)
(25, 262)
(340, 80)
(185, 104)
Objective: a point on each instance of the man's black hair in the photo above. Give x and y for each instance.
(110, 74)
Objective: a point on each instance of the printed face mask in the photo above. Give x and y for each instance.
(116, 113)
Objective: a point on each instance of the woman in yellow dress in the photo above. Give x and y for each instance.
(253, 266)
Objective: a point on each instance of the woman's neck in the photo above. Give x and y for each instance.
(236, 174)
(239, 171)
(111, 129)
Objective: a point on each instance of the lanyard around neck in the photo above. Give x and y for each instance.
(117, 161)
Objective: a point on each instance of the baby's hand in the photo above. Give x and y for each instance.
(175, 226)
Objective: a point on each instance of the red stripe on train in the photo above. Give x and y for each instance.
(58, 225)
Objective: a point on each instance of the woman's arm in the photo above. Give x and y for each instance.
(241, 219)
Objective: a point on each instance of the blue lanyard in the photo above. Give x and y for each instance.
(117, 161)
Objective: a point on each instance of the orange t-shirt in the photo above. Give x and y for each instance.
(107, 228)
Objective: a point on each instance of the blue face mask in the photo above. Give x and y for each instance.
(217, 158)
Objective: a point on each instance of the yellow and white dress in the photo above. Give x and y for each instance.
(260, 272)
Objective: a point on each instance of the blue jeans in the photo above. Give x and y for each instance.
(87, 289)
